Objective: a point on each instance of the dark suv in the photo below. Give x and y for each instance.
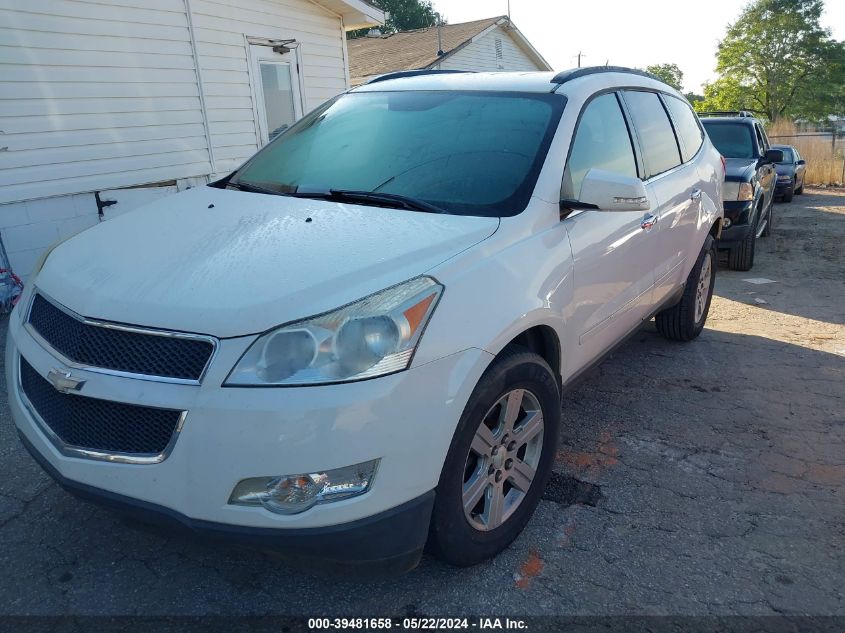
(750, 179)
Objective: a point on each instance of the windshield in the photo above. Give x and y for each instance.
(469, 153)
(788, 158)
(733, 140)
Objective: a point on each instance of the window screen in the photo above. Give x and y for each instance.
(660, 149)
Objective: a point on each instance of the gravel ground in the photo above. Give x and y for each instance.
(694, 479)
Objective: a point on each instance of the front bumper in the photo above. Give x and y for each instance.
(392, 539)
(739, 213)
(784, 187)
(406, 420)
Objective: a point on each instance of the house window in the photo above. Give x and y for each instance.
(277, 86)
(276, 89)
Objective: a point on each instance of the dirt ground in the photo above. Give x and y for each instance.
(701, 478)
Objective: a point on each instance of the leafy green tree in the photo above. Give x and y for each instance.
(668, 73)
(404, 15)
(777, 61)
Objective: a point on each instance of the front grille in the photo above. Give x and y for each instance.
(117, 349)
(101, 425)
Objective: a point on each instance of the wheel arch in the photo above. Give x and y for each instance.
(544, 341)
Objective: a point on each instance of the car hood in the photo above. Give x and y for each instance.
(739, 168)
(785, 169)
(230, 263)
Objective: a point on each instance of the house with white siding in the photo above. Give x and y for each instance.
(489, 45)
(108, 104)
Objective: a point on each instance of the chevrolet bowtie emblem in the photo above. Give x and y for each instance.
(63, 381)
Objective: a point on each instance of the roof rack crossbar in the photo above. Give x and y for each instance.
(575, 73)
(413, 73)
(745, 114)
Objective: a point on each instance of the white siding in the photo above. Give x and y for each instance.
(220, 31)
(96, 94)
(481, 55)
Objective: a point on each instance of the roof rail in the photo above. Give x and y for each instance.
(413, 73)
(575, 73)
(744, 114)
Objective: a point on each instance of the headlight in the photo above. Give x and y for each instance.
(733, 190)
(371, 337)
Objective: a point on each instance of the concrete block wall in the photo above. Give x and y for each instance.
(30, 227)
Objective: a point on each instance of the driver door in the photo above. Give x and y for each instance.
(613, 250)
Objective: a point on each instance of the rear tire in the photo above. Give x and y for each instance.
(685, 320)
(496, 470)
(741, 256)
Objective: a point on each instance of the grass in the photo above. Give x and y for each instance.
(825, 162)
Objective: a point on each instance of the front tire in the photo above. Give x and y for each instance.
(685, 320)
(787, 197)
(499, 461)
(741, 256)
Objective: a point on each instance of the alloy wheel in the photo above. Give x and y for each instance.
(503, 459)
(703, 290)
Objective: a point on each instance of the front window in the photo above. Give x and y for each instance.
(469, 153)
(733, 140)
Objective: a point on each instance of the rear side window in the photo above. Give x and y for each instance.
(602, 141)
(686, 125)
(657, 140)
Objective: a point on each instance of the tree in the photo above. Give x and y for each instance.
(404, 15)
(777, 61)
(668, 73)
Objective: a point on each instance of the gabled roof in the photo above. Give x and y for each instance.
(414, 50)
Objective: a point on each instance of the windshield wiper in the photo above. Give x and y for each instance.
(245, 186)
(392, 200)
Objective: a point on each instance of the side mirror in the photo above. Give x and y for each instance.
(801, 162)
(609, 191)
(773, 156)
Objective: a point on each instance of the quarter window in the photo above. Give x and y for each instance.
(686, 125)
(602, 141)
(657, 140)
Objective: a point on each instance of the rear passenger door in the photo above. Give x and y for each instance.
(612, 250)
(674, 186)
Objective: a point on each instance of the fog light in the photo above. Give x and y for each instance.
(292, 494)
(726, 223)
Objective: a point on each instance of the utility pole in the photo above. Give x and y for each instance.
(579, 55)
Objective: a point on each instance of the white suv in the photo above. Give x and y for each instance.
(356, 344)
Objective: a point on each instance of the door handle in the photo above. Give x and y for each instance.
(648, 222)
(695, 194)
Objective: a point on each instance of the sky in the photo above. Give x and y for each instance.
(623, 32)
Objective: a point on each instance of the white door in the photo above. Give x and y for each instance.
(613, 250)
(276, 89)
(675, 187)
